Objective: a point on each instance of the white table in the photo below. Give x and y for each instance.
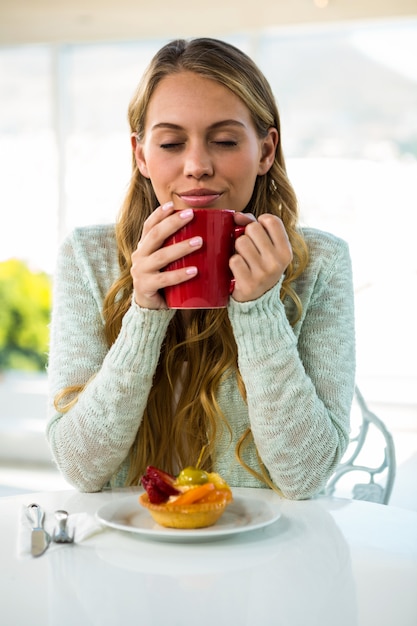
(323, 562)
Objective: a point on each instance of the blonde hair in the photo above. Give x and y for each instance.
(200, 355)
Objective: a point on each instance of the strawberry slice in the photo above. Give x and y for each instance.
(154, 494)
(163, 481)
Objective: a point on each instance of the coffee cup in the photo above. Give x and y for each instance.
(213, 284)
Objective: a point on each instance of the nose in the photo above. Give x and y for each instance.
(198, 162)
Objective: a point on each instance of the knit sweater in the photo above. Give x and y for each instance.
(299, 380)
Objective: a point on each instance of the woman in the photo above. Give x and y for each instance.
(263, 387)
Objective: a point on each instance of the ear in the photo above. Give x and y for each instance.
(137, 148)
(268, 149)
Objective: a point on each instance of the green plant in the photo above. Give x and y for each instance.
(25, 308)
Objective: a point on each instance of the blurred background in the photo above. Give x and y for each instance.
(344, 74)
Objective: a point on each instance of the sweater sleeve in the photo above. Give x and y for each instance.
(91, 440)
(300, 381)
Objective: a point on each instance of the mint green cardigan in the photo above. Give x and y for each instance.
(299, 380)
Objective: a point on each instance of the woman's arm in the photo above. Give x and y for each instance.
(92, 439)
(300, 381)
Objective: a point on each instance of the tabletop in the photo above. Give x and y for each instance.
(324, 561)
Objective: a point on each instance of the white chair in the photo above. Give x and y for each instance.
(371, 453)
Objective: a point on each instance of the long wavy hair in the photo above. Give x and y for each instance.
(196, 357)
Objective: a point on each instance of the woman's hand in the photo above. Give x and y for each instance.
(150, 257)
(262, 255)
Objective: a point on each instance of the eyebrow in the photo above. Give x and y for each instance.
(168, 125)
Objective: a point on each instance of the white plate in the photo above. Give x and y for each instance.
(251, 509)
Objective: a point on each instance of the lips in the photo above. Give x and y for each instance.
(198, 198)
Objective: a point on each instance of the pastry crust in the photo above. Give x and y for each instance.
(186, 516)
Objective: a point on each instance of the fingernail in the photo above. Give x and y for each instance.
(191, 271)
(196, 241)
(167, 206)
(186, 213)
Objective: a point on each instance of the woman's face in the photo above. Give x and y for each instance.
(200, 147)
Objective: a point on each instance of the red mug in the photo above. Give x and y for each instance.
(213, 284)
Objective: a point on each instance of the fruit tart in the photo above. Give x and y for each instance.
(193, 499)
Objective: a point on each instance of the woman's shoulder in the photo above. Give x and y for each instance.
(98, 234)
(328, 255)
(91, 243)
(326, 251)
(329, 270)
(321, 242)
(93, 251)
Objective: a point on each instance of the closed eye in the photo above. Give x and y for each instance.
(170, 146)
(226, 144)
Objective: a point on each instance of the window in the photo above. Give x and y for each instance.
(349, 131)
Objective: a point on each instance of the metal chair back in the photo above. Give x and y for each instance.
(361, 459)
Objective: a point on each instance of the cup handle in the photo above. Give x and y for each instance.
(237, 232)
